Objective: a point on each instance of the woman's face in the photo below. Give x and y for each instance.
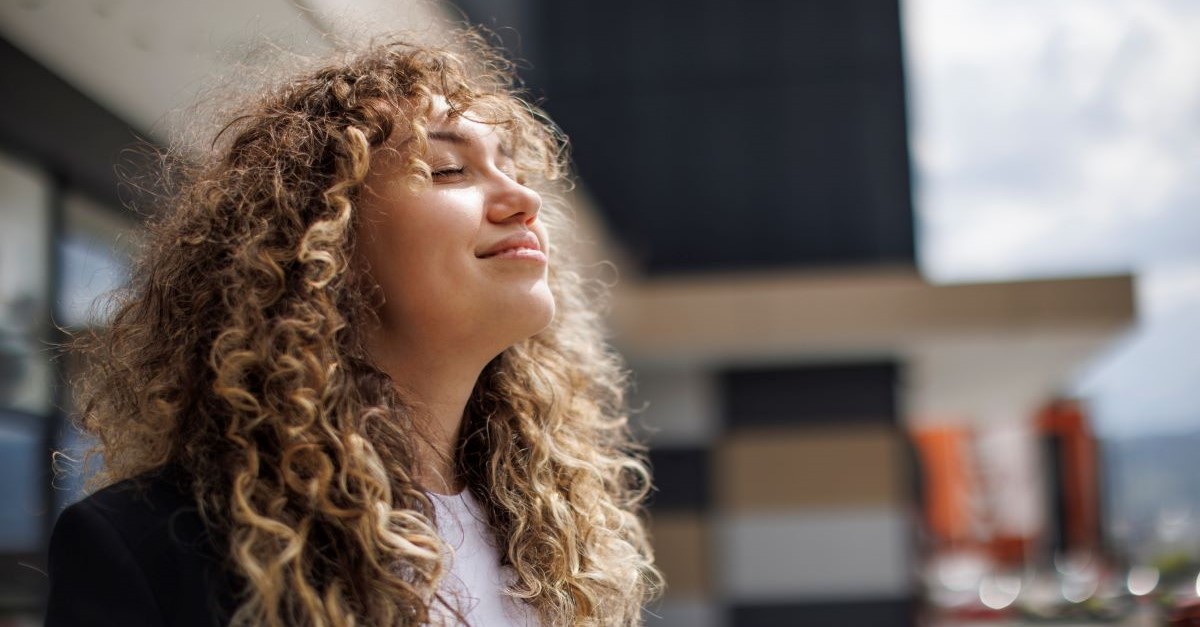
(463, 261)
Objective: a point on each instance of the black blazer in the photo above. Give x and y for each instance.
(137, 553)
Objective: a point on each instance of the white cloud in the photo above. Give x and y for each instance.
(1061, 138)
(1053, 138)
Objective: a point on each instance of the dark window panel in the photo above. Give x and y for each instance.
(865, 612)
(811, 395)
(772, 134)
(682, 479)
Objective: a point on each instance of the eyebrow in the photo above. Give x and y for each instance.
(459, 139)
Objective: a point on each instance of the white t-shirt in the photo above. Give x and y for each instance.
(475, 578)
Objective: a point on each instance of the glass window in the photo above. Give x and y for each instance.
(25, 374)
(25, 366)
(96, 247)
(21, 466)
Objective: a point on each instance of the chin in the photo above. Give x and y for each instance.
(544, 311)
(525, 317)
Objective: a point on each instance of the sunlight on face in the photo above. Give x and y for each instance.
(462, 261)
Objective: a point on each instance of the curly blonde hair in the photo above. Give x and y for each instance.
(238, 354)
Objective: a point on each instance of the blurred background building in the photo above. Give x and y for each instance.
(877, 278)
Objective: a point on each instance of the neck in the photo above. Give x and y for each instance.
(438, 385)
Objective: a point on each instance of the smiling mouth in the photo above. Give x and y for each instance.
(521, 245)
(520, 253)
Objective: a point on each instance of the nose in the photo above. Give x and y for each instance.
(511, 201)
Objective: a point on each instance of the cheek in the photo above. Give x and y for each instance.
(438, 219)
(428, 254)
(421, 228)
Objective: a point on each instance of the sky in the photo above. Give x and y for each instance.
(1061, 138)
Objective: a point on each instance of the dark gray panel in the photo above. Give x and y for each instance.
(810, 395)
(682, 479)
(737, 135)
(848, 613)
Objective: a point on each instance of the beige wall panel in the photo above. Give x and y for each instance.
(681, 549)
(809, 468)
(768, 314)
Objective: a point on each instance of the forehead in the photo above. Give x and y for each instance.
(467, 134)
(447, 129)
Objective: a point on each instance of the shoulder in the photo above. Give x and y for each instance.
(148, 534)
(151, 517)
(150, 507)
(139, 507)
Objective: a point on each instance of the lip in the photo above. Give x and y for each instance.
(524, 245)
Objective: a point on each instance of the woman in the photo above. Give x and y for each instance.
(356, 381)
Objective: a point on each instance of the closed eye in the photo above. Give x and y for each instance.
(446, 173)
